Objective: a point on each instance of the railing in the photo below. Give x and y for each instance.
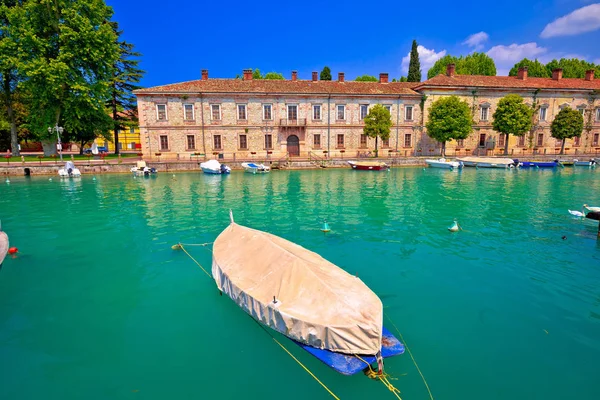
(322, 161)
(292, 122)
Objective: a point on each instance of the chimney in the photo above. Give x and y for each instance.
(248, 74)
(589, 75)
(522, 74)
(294, 76)
(315, 76)
(340, 77)
(383, 77)
(204, 74)
(450, 68)
(557, 74)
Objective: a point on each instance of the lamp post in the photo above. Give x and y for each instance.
(59, 130)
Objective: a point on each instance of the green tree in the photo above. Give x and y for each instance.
(256, 74)
(403, 79)
(572, 67)
(126, 76)
(325, 74)
(535, 69)
(567, 124)
(274, 75)
(472, 64)
(67, 53)
(366, 78)
(512, 116)
(414, 67)
(449, 118)
(377, 124)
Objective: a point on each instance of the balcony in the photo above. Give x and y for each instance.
(292, 122)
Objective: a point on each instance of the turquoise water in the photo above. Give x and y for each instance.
(98, 305)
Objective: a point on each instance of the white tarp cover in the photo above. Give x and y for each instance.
(211, 164)
(318, 303)
(3, 246)
(488, 160)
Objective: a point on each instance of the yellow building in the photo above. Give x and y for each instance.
(129, 140)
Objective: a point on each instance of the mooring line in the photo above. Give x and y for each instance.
(193, 259)
(411, 356)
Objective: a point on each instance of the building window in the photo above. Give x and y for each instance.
(543, 112)
(132, 129)
(191, 142)
(521, 141)
(460, 142)
(577, 141)
(386, 142)
(267, 111)
(217, 142)
(241, 111)
(482, 140)
(484, 113)
(597, 114)
(340, 140)
(408, 113)
(595, 141)
(164, 142)
(317, 141)
(363, 140)
(161, 112)
(389, 108)
(268, 141)
(540, 139)
(581, 110)
(216, 111)
(341, 112)
(188, 112)
(364, 111)
(317, 112)
(501, 139)
(408, 140)
(243, 142)
(292, 112)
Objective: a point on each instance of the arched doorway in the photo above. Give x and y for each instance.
(293, 146)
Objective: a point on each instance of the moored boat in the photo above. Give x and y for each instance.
(213, 167)
(538, 164)
(487, 162)
(591, 163)
(69, 171)
(3, 246)
(369, 165)
(443, 163)
(142, 169)
(255, 168)
(328, 312)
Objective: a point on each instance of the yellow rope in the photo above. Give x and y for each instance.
(193, 259)
(411, 356)
(382, 377)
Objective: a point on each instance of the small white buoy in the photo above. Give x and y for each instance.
(50, 179)
(7, 180)
(455, 227)
(94, 178)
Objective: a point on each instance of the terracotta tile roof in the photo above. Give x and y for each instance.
(283, 86)
(508, 82)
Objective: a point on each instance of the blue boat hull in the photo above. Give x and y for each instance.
(535, 164)
(348, 364)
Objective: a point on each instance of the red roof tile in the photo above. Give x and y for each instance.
(508, 82)
(283, 86)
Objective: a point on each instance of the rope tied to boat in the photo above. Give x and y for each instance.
(380, 375)
(179, 246)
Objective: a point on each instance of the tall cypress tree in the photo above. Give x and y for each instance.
(325, 74)
(126, 74)
(414, 68)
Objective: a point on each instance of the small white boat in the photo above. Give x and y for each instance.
(443, 163)
(69, 171)
(590, 163)
(142, 169)
(487, 162)
(3, 246)
(213, 167)
(255, 168)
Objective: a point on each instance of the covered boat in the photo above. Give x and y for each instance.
(298, 293)
(487, 162)
(443, 163)
(3, 246)
(142, 169)
(214, 167)
(255, 168)
(369, 165)
(590, 163)
(69, 171)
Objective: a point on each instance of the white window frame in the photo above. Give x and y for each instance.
(160, 143)
(360, 111)
(187, 142)
(314, 108)
(487, 113)
(265, 105)
(193, 112)
(287, 115)
(337, 112)
(581, 110)
(166, 112)
(412, 113)
(212, 113)
(237, 107)
(545, 113)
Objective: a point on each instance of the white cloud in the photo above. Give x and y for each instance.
(426, 57)
(597, 62)
(584, 19)
(476, 40)
(507, 56)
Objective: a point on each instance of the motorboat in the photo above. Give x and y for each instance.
(538, 164)
(328, 312)
(69, 171)
(213, 167)
(142, 169)
(369, 165)
(591, 163)
(487, 162)
(255, 168)
(443, 163)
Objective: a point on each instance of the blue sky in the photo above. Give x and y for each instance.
(179, 39)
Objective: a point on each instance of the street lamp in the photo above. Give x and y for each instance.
(59, 130)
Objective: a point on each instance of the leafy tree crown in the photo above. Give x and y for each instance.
(449, 118)
(512, 116)
(567, 124)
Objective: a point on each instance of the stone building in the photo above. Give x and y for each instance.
(246, 118)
